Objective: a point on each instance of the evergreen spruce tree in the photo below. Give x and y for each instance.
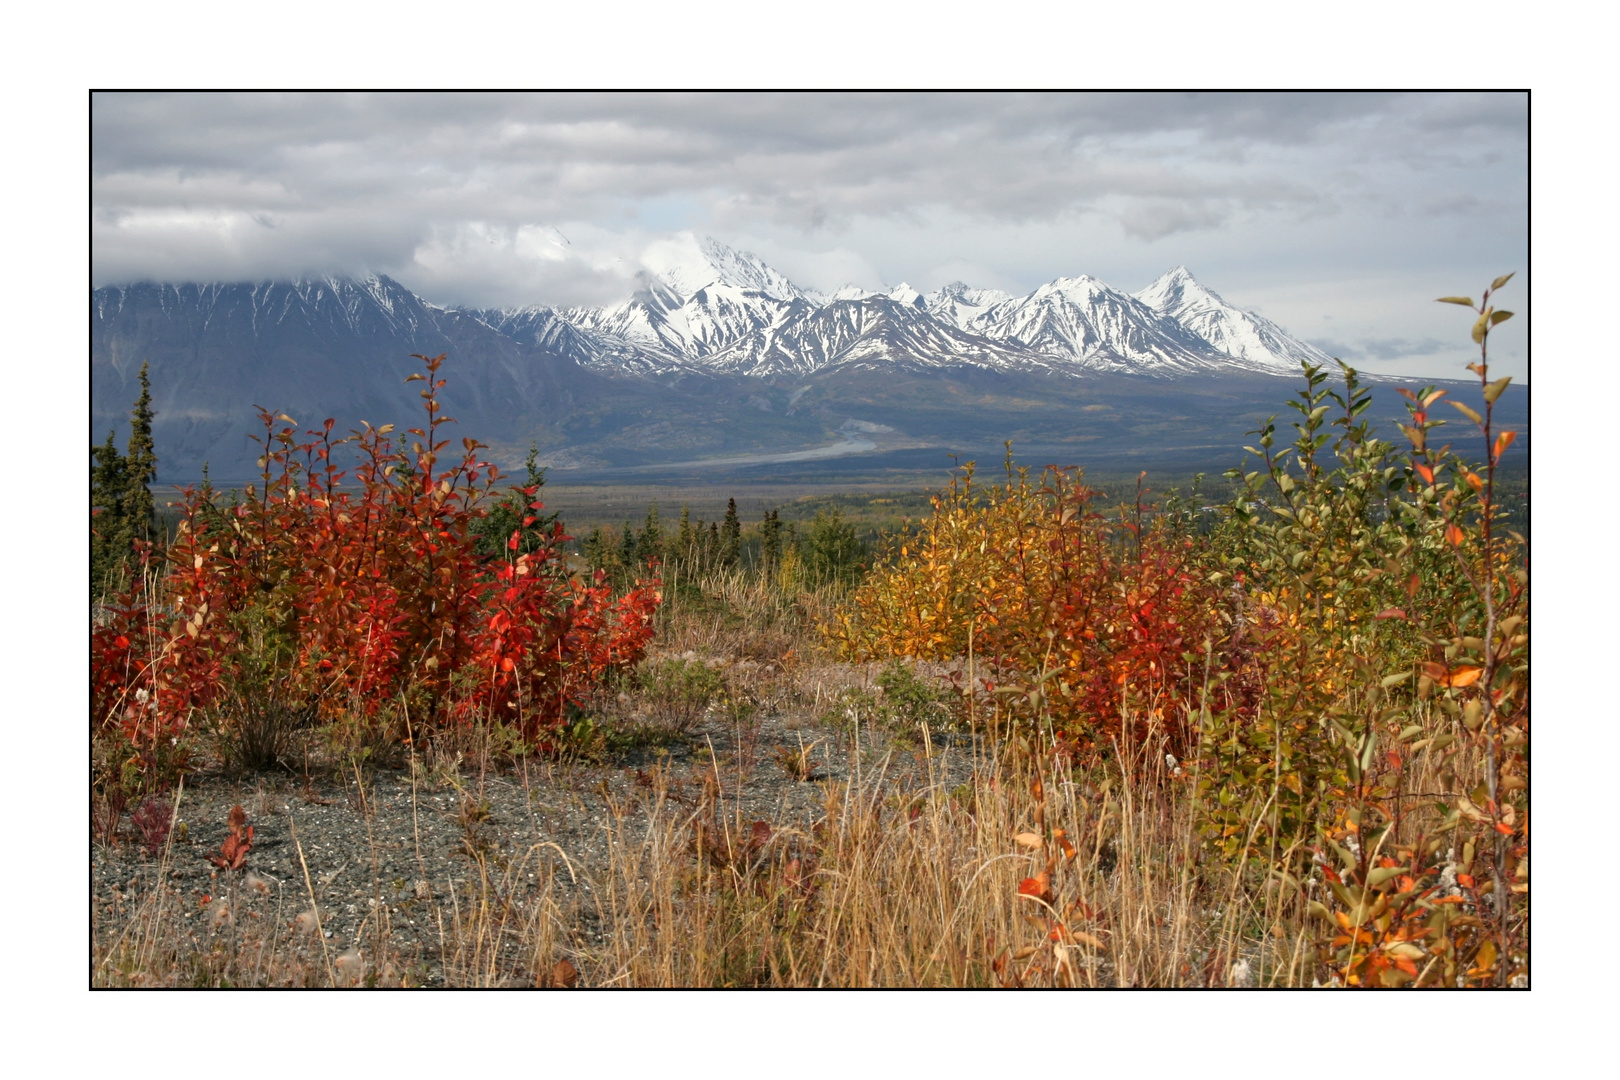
(650, 544)
(711, 546)
(835, 551)
(109, 524)
(684, 539)
(121, 507)
(142, 466)
(596, 549)
(506, 515)
(730, 535)
(770, 542)
(627, 547)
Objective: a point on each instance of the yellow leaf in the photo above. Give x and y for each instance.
(1027, 839)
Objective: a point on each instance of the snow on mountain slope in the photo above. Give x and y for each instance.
(959, 305)
(687, 263)
(1093, 326)
(1253, 339)
(703, 306)
(875, 331)
(905, 294)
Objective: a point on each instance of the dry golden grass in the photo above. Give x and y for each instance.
(912, 883)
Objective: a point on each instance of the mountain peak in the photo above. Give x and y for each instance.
(1175, 289)
(687, 263)
(903, 293)
(1253, 339)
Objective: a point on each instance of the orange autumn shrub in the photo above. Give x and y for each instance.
(1070, 617)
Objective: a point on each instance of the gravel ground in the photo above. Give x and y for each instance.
(401, 853)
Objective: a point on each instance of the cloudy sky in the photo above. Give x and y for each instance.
(1341, 216)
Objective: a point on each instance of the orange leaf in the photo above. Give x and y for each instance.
(1038, 887)
(1462, 676)
(1391, 613)
(1454, 535)
(564, 975)
(1027, 839)
(1425, 472)
(1503, 441)
(1504, 828)
(1084, 938)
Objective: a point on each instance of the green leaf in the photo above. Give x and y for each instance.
(1466, 411)
(1501, 281)
(1377, 877)
(1500, 316)
(1463, 300)
(1410, 731)
(1494, 390)
(1483, 324)
(1394, 680)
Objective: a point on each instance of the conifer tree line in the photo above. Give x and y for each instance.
(121, 509)
(828, 550)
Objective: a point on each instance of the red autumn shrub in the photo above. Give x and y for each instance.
(354, 600)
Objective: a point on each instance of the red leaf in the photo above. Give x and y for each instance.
(759, 835)
(1391, 613)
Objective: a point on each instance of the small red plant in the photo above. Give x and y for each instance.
(233, 852)
(153, 819)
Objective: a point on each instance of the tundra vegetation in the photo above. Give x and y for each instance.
(1280, 741)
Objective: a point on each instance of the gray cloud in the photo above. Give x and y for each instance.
(450, 193)
(1382, 348)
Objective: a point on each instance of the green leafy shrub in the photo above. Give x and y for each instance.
(678, 691)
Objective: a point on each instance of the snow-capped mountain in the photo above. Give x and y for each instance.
(874, 331)
(1239, 334)
(959, 305)
(1097, 327)
(705, 307)
(737, 360)
(688, 263)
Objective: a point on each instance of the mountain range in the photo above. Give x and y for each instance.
(721, 311)
(717, 361)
